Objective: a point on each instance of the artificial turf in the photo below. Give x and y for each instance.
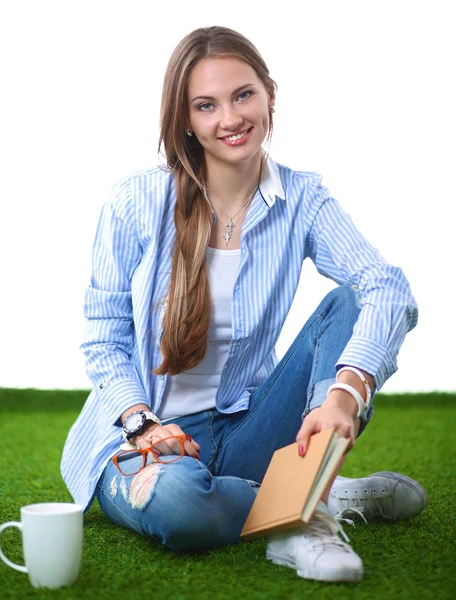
(408, 560)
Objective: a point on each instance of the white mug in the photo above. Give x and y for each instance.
(51, 541)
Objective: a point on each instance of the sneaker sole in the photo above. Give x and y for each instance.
(319, 575)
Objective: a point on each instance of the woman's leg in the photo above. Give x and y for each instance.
(179, 503)
(297, 385)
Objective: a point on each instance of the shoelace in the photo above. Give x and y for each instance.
(351, 509)
(324, 527)
(375, 505)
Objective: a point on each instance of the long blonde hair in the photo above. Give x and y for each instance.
(188, 312)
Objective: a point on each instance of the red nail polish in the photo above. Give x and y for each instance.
(301, 450)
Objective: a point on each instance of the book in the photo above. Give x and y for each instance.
(293, 485)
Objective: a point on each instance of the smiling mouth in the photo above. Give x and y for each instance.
(238, 136)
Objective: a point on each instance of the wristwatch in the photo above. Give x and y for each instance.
(136, 423)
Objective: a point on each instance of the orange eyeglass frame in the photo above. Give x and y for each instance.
(156, 453)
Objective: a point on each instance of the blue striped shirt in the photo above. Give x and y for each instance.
(292, 217)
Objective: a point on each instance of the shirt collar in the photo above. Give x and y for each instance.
(271, 184)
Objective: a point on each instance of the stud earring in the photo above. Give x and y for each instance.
(189, 133)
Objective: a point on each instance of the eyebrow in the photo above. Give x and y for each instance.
(233, 94)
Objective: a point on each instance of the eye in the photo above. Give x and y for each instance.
(204, 106)
(245, 95)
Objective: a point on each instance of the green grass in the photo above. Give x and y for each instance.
(409, 560)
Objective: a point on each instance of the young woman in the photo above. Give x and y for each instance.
(195, 267)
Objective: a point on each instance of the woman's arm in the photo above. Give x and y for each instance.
(108, 307)
(388, 308)
(388, 311)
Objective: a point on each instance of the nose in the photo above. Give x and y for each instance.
(230, 120)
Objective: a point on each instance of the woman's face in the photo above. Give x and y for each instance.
(228, 109)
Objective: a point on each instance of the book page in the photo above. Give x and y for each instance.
(335, 451)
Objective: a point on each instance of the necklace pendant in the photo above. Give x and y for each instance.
(229, 232)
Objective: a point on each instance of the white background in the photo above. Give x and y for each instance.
(366, 97)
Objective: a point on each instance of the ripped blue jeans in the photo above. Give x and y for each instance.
(194, 504)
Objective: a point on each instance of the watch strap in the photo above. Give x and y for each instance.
(362, 406)
(363, 379)
(150, 416)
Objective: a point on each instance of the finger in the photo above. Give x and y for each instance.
(191, 450)
(309, 427)
(173, 429)
(173, 446)
(168, 446)
(196, 446)
(154, 436)
(351, 443)
(344, 430)
(142, 443)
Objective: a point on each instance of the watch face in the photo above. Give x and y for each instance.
(134, 422)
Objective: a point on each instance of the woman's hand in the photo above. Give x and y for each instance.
(339, 410)
(154, 432)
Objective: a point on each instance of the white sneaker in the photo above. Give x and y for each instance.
(315, 550)
(384, 495)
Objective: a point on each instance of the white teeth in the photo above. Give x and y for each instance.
(237, 136)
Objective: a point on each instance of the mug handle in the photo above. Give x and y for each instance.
(2, 556)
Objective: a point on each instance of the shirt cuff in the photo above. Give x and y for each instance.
(117, 396)
(369, 356)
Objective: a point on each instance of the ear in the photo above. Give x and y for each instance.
(271, 90)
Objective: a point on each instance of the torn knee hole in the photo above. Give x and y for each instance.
(123, 489)
(113, 487)
(143, 485)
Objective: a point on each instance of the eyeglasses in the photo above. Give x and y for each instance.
(128, 467)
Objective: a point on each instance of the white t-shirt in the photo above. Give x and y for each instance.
(194, 390)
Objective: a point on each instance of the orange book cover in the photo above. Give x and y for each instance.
(290, 484)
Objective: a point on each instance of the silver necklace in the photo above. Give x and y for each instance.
(231, 224)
